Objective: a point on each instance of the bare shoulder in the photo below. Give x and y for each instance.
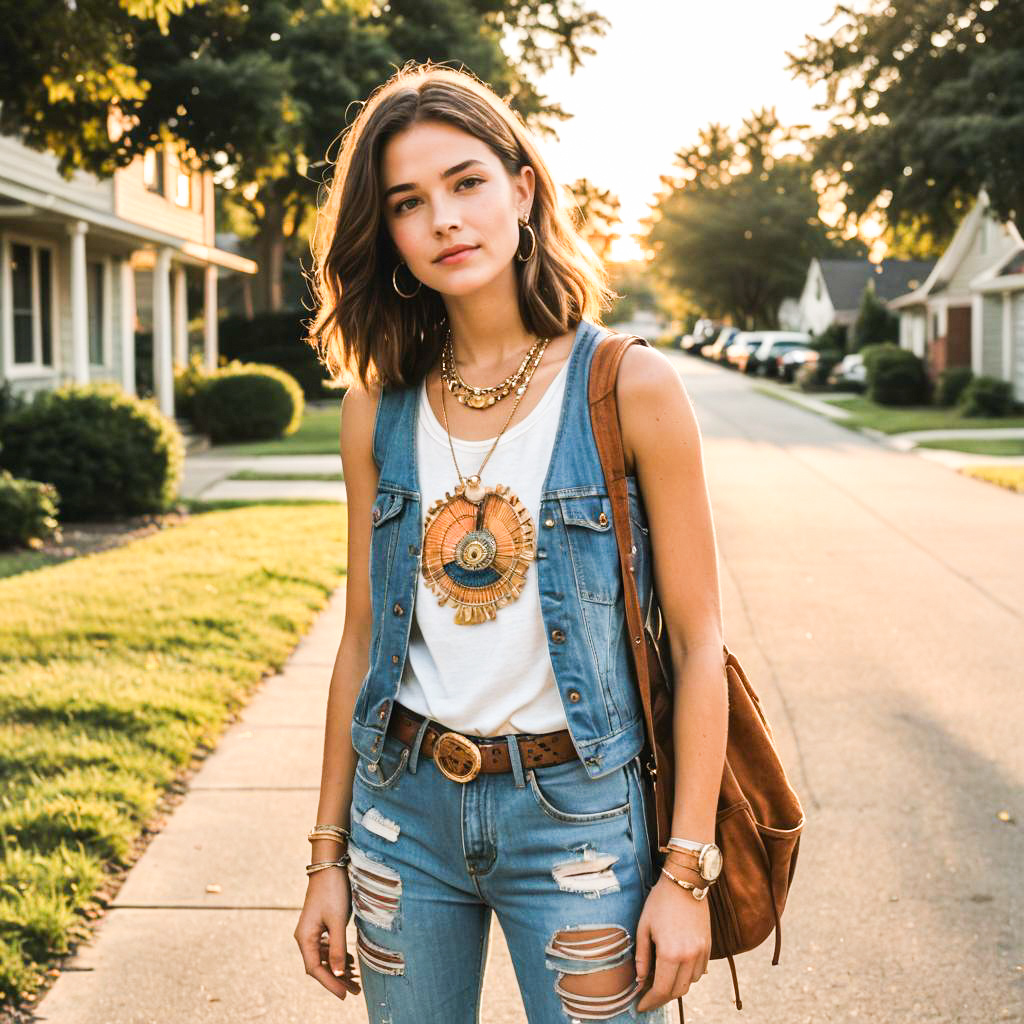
(358, 415)
(654, 408)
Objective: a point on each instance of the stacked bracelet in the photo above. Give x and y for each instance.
(322, 865)
(698, 894)
(338, 833)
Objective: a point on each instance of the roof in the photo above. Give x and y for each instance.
(847, 279)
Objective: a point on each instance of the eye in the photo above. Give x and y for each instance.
(470, 178)
(399, 206)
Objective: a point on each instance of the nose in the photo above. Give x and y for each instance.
(446, 217)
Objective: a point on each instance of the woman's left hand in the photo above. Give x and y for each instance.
(673, 941)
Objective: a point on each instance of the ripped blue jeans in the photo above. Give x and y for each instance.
(563, 860)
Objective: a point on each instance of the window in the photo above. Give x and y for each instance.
(183, 188)
(95, 292)
(153, 170)
(31, 270)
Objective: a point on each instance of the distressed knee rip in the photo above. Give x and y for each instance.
(590, 874)
(377, 958)
(596, 972)
(376, 889)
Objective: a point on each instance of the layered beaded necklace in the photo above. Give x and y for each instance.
(479, 540)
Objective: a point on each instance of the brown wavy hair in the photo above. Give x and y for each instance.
(362, 330)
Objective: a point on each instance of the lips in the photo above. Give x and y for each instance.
(453, 257)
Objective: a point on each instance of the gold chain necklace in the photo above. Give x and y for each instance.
(481, 398)
(479, 540)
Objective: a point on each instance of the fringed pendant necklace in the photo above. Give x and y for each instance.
(479, 540)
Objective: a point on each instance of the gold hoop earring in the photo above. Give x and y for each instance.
(394, 283)
(524, 223)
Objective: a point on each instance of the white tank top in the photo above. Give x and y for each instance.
(491, 677)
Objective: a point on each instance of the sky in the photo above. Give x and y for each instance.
(665, 69)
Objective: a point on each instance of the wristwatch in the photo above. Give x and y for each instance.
(709, 856)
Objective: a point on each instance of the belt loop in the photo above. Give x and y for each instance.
(516, 761)
(414, 748)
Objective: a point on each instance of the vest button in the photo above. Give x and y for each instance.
(376, 515)
(398, 609)
(602, 519)
(549, 523)
(394, 659)
(558, 636)
(574, 695)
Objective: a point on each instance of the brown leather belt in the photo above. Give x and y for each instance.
(462, 758)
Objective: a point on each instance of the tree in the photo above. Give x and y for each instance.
(260, 92)
(876, 323)
(735, 230)
(927, 101)
(597, 214)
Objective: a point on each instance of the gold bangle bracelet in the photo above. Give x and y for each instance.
(322, 865)
(698, 894)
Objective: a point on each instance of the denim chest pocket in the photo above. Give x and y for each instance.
(566, 793)
(386, 506)
(388, 771)
(592, 546)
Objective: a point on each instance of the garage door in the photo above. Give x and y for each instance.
(1018, 346)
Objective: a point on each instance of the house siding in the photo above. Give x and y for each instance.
(992, 335)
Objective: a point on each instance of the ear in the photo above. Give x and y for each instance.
(524, 183)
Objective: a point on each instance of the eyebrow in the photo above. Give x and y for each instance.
(409, 186)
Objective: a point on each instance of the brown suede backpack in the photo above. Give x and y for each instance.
(759, 818)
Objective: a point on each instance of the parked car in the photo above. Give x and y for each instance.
(715, 350)
(762, 359)
(742, 347)
(849, 372)
(705, 332)
(787, 364)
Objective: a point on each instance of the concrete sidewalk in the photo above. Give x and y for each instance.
(201, 931)
(206, 476)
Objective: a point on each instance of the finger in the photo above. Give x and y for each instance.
(335, 957)
(660, 992)
(644, 951)
(309, 946)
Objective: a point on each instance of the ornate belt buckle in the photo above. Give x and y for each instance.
(457, 758)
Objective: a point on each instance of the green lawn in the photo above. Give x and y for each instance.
(895, 420)
(993, 446)
(317, 435)
(265, 474)
(115, 668)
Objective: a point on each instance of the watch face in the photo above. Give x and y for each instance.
(711, 863)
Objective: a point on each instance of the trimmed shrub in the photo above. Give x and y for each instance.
(895, 375)
(28, 511)
(248, 402)
(987, 396)
(275, 339)
(813, 376)
(951, 383)
(109, 454)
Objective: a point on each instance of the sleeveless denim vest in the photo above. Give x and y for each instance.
(577, 567)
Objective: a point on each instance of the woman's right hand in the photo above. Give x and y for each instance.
(326, 908)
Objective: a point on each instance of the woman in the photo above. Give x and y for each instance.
(484, 675)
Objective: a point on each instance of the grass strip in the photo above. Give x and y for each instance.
(981, 446)
(317, 435)
(115, 668)
(266, 474)
(1010, 477)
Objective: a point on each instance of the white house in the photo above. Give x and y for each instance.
(80, 257)
(833, 289)
(970, 309)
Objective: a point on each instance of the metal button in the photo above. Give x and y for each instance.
(372, 769)
(413, 550)
(602, 519)
(398, 609)
(382, 714)
(376, 515)
(549, 523)
(574, 695)
(394, 659)
(558, 636)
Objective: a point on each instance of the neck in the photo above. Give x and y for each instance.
(487, 331)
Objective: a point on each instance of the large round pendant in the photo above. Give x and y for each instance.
(477, 545)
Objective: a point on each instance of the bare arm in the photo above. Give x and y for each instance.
(328, 899)
(661, 433)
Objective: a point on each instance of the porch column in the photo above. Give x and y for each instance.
(163, 370)
(77, 231)
(210, 353)
(180, 317)
(128, 317)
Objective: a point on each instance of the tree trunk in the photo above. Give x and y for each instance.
(271, 248)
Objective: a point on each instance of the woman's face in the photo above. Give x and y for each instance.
(450, 190)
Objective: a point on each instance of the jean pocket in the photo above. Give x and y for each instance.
(388, 771)
(566, 793)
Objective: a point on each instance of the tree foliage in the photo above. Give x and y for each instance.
(927, 102)
(736, 228)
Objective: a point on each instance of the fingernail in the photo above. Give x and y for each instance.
(337, 973)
